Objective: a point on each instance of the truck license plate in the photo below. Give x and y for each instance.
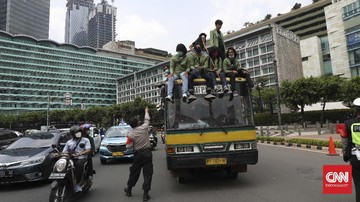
(216, 161)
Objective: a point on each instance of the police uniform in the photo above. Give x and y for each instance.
(353, 146)
(142, 155)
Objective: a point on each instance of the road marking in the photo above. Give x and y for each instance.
(296, 148)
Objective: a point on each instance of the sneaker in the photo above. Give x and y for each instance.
(184, 97)
(226, 89)
(192, 97)
(218, 90)
(209, 96)
(169, 98)
(78, 188)
(235, 94)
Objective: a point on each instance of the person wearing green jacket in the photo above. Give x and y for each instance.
(217, 39)
(199, 64)
(232, 69)
(178, 69)
(216, 68)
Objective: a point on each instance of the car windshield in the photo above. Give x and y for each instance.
(118, 131)
(35, 140)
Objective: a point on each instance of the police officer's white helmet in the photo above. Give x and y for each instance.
(357, 102)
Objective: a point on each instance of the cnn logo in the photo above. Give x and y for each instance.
(334, 177)
(337, 179)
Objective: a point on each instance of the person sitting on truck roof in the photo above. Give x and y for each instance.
(200, 40)
(232, 69)
(199, 64)
(178, 69)
(216, 68)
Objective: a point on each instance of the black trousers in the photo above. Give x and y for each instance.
(355, 163)
(142, 159)
(79, 168)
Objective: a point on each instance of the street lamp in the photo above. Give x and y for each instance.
(278, 96)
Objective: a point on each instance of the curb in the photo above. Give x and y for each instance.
(310, 147)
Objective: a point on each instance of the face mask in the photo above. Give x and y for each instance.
(78, 135)
(180, 53)
(198, 50)
(231, 56)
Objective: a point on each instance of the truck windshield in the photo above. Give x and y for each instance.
(202, 113)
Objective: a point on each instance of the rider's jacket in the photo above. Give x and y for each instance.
(353, 130)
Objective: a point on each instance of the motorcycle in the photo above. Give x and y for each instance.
(63, 174)
(153, 141)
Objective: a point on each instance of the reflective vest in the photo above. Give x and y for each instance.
(355, 133)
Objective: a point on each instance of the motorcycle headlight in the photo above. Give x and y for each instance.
(60, 165)
(33, 161)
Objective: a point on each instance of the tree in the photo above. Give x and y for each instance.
(350, 90)
(299, 93)
(269, 97)
(267, 17)
(296, 6)
(329, 90)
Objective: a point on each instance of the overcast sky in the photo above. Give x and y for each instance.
(162, 24)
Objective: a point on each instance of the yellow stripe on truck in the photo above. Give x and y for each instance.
(207, 137)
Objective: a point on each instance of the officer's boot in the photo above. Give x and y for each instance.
(146, 196)
(127, 190)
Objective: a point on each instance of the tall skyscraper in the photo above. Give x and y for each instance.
(25, 17)
(76, 24)
(102, 25)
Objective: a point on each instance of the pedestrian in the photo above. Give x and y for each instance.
(138, 139)
(233, 69)
(178, 69)
(199, 67)
(352, 150)
(216, 38)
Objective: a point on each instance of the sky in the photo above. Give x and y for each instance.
(162, 24)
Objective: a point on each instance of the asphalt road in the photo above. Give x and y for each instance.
(282, 174)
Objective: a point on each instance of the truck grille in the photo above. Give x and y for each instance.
(216, 147)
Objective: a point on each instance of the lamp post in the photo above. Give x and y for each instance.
(48, 113)
(278, 96)
(259, 86)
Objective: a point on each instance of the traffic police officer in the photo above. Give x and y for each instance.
(352, 150)
(138, 139)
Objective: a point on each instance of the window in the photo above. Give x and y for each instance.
(305, 59)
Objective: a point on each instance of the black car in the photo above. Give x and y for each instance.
(31, 158)
(7, 137)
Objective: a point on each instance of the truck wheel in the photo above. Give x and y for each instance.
(181, 180)
(232, 174)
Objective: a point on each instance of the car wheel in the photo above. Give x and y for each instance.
(102, 161)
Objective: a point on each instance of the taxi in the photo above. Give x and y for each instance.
(113, 146)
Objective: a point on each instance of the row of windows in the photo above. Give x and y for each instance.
(36, 106)
(76, 54)
(263, 70)
(351, 10)
(255, 61)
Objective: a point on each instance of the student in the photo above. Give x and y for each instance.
(178, 65)
(216, 38)
(216, 68)
(199, 64)
(200, 40)
(232, 69)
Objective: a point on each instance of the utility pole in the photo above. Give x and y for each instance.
(278, 97)
(47, 114)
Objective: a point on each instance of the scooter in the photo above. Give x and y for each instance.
(63, 174)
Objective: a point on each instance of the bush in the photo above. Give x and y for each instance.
(313, 142)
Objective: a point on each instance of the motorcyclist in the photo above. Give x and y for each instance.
(352, 150)
(153, 132)
(79, 147)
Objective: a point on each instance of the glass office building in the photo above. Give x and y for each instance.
(25, 17)
(76, 22)
(34, 71)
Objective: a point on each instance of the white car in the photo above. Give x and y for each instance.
(95, 134)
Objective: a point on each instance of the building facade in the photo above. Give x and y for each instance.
(76, 21)
(343, 20)
(25, 17)
(102, 25)
(141, 84)
(258, 48)
(32, 70)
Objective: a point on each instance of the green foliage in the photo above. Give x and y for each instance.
(351, 90)
(312, 142)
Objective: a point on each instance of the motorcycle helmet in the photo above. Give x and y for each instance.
(74, 130)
